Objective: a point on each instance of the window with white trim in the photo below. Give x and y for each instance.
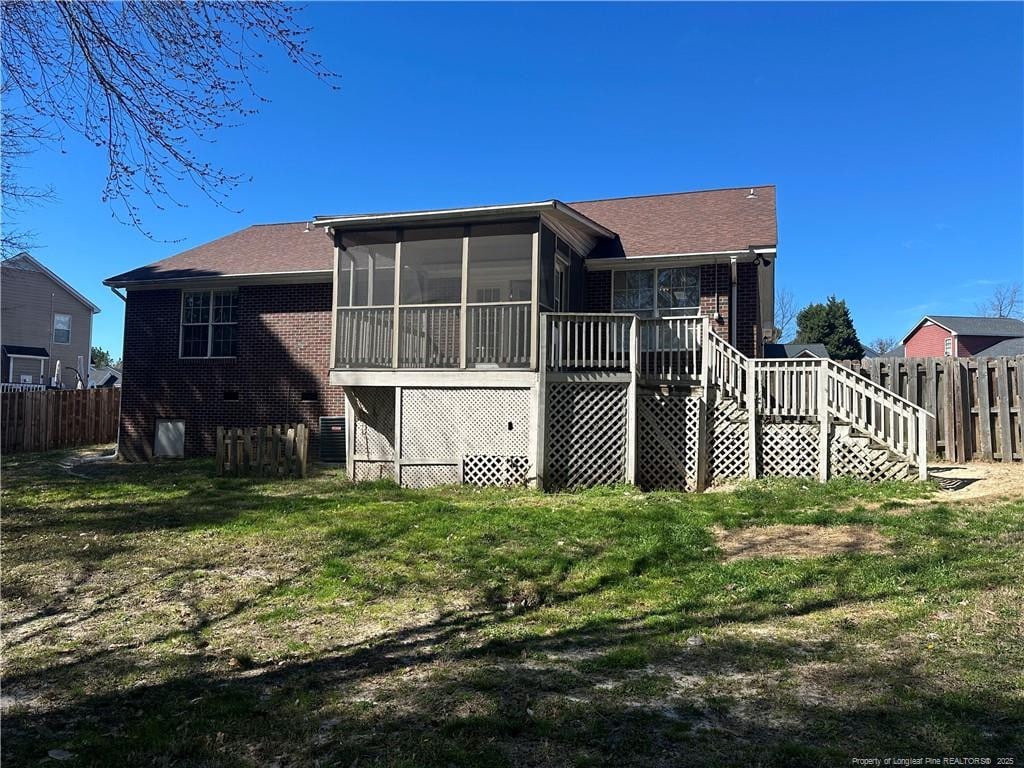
(657, 292)
(61, 329)
(948, 350)
(209, 323)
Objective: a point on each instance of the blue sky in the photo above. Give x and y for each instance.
(893, 134)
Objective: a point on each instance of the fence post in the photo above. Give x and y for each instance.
(220, 451)
(631, 426)
(922, 446)
(752, 437)
(824, 421)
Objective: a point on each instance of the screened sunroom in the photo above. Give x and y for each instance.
(465, 296)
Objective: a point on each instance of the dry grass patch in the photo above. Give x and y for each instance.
(799, 541)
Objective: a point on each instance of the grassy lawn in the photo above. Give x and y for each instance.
(156, 615)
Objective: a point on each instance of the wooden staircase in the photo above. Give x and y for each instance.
(862, 429)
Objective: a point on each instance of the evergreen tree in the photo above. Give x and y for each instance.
(829, 324)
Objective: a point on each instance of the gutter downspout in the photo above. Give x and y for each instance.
(117, 444)
(732, 301)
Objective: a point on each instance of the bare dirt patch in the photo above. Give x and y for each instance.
(798, 541)
(977, 480)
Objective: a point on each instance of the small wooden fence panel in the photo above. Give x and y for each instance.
(978, 402)
(58, 418)
(280, 450)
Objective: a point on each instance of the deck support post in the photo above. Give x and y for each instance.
(539, 390)
(631, 393)
(824, 423)
(701, 481)
(752, 436)
(350, 434)
(398, 435)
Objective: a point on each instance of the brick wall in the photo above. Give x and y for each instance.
(748, 330)
(284, 334)
(714, 297)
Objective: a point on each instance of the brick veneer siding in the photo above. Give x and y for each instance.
(748, 328)
(284, 334)
(713, 298)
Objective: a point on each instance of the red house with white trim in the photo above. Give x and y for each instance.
(953, 336)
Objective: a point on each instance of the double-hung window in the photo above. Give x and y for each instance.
(61, 329)
(209, 323)
(657, 292)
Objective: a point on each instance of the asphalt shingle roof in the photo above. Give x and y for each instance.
(980, 326)
(687, 222)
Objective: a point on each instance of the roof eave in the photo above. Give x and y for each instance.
(461, 214)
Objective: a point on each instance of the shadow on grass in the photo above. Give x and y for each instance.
(544, 667)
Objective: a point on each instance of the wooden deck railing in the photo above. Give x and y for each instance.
(671, 348)
(6, 387)
(498, 335)
(429, 336)
(787, 387)
(588, 342)
(363, 337)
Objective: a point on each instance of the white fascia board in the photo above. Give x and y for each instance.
(443, 214)
(243, 278)
(682, 259)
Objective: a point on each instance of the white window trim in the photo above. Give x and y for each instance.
(672, 311)
(209, 327)
(947, 347)
(53, 328)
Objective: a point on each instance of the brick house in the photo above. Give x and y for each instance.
(952, 336)
(259, 349)
(551, 343)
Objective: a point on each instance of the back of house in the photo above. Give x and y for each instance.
(269, 324)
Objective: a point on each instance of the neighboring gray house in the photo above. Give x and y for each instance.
(44, 323)
(795, 350)
(104, 376)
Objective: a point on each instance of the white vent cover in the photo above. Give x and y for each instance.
(170, 439)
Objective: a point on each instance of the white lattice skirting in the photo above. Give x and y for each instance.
(789, 450)
(495, 470)
(858, 456)
(667, 441)
(374, 438)
(586, 435)
(728, 443)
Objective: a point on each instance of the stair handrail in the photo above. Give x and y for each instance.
(727, 367)
(905, 438)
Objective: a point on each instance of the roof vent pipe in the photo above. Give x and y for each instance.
(752, 195)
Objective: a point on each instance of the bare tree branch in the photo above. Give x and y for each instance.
(785, 315)
(884, 344)
(145, 81)
(1006, 301)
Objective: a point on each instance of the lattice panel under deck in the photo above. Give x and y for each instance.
(447, 423)
(727, 440)
(429, 475)
(375, 422)
(586, 435)
(851, 455)
(495, 470)
(667, 439)
(789, 449)
(373, 470)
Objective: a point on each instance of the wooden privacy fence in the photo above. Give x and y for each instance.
(58, 418)
(280, 450)
(978, 403)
